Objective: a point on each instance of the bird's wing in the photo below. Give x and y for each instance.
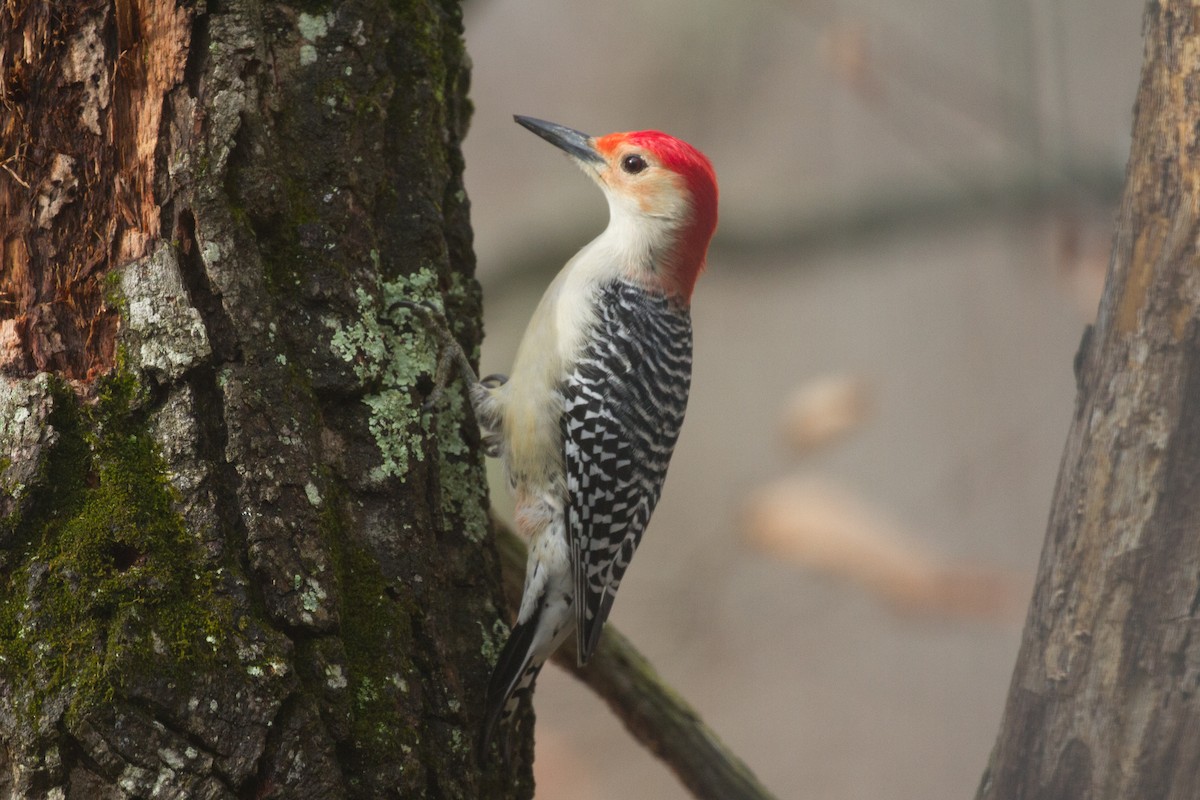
(623, 408)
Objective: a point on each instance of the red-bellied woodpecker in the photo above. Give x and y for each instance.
(588, 419)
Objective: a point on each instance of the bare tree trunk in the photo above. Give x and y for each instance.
(237, 558)
(1104, 702)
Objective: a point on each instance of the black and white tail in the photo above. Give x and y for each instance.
(546, 619)
(511, 680)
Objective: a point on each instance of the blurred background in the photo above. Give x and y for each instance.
(916, 211)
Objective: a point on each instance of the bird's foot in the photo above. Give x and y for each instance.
(450, 353)
(492, 444)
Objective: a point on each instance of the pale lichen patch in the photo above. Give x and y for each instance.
(312, 27)
(313, 595)
(463, 493)
(163, 333)
(25, 438)
(335, 677)
(386, 353)
(493, 640)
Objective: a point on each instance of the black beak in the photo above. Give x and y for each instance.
(575, 144)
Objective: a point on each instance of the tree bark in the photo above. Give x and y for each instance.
(237, 557)
(1104, 700)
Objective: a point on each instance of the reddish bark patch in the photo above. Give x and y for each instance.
(81, 97)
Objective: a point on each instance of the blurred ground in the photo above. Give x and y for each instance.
(961, 328)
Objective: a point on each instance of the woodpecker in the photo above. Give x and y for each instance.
(586, 422)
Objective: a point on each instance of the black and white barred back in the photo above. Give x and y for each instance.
(623, 407)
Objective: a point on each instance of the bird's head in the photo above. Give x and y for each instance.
(662, 195)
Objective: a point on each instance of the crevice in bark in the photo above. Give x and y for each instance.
(196, 65)
(257, 786)
(433, 789)
(217, 324)
(212, 438)
(171, 723)
(75, 757)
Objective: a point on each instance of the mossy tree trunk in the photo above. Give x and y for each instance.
(1104, 701)
(237, 558)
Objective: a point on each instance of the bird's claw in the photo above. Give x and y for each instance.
(492, 443)
(426, 308)
(450, 352)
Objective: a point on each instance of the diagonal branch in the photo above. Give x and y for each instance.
(659, 719)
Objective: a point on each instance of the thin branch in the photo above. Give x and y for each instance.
(659, 719)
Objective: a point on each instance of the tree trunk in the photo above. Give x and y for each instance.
(1104, 701)
(237, 557)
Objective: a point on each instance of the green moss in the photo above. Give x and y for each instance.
(377, 636)
(10, 488)
(275, 223)
(284, 259)
(113, 296)
(102, 547)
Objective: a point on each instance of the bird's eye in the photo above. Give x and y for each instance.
(633, 164)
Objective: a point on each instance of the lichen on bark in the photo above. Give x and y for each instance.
(254, 565)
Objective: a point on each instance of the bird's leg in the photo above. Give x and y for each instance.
(450, 352)
(451, 356)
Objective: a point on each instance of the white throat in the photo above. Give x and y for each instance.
(635, 243)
